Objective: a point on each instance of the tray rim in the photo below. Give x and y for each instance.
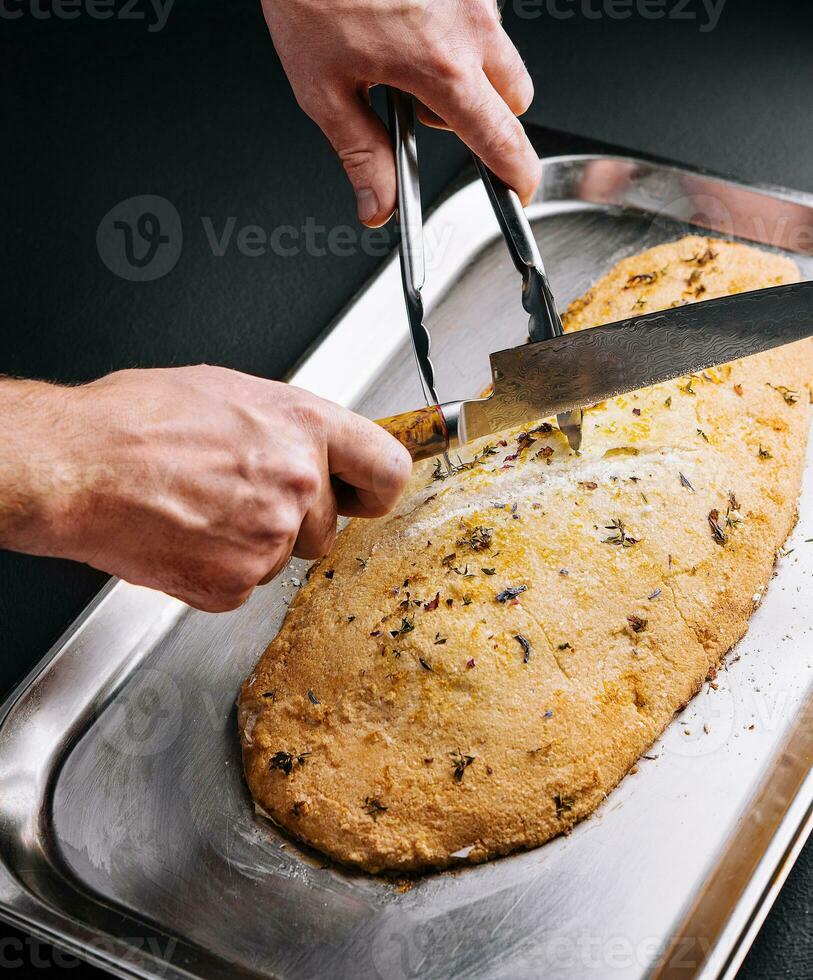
(791, 827)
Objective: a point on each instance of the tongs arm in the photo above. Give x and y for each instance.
(537, 297)
(409, 223)
(544, 321)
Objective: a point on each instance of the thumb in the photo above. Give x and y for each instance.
(362, 143)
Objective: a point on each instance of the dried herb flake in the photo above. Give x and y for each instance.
(526, 647)
(511, 592)
(374, 807)
(460, 763)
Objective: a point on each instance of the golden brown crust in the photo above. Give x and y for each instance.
(414, 712)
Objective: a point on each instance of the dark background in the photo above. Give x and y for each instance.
(97, 111)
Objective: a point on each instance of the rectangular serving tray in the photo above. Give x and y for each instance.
(127, 835)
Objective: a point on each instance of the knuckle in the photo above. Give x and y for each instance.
(277, 563)
(304, 479)
(327, 537)
(238, 581)
(306, 410)
(278, 531)
(228, 603)
(483, 15)
(356, 159)
(504, 139)
(440, 64)
(309, 102)
(323, 104)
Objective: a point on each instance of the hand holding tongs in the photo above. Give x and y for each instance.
(537, 298)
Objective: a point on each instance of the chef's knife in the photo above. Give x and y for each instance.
(535, 381)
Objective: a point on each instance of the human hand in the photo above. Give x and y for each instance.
(197, 481)
(452, 55)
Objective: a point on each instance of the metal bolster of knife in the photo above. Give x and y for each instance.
(429, 431)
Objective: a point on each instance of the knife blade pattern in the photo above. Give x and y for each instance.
(582, 368)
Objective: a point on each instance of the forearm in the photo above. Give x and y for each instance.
(38, 475)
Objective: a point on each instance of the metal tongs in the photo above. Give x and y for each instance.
(544, 321)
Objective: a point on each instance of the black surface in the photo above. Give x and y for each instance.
(95, 112)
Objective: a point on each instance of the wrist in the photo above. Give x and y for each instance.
(40, 476)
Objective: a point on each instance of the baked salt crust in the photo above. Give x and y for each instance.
(474, 673)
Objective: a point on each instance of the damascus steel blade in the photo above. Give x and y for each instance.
(539, 380)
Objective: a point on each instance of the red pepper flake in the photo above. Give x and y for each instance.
(489, 770)
(470, 663)
(429, 759)
(636, 411)
(525, 440)
(641, 279)
(545, 453)
(588, 485)
(429, 606)
(738, 390)
(502, 443)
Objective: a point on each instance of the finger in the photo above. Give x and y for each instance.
(362, 143)
(477, 113)
(429, 118)
(277, 564)
(372, 466)
(318, 530)
(213, 603)
(506, 71)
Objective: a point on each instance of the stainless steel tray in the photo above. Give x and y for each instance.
(126, 832)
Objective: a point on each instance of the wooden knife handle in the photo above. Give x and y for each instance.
(424, 432)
